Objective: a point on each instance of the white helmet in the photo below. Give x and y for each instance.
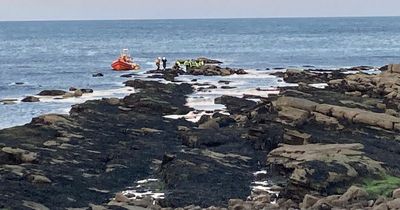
(163, 58)
(159, 58)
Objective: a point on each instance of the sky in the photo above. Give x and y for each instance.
(191, 9)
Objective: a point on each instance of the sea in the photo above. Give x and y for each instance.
(39, 55)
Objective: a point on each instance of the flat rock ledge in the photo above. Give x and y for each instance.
(296, 111)
(323, 167)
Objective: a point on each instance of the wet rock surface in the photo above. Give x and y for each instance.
(324, 168)
(30, 99)
(212, 70)
(319, 145)
(234, 104)
(78, 150)
(52, 93)
(103, 146)
(309, 76)
(168, 74)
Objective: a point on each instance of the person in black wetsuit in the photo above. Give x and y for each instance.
(164, 63)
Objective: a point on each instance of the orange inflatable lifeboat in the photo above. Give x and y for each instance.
(124, 62)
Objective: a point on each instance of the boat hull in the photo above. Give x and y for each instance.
(124, 66)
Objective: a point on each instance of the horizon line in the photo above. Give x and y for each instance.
(198, 18)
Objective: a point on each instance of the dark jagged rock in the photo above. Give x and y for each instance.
(227, 87)
(191, 178)
(159, 71)
(360, 68)
(129, 75)
(209, 61)
(156, 76)
(240, 71)
(86, 90)
(30, 99)
(98, 75)
(52, 93)
(384, 68)
(207, 88)
(226, 82)
(212, 70)
(168, 74)
(234, 104)
(265, 136)
(309, 76)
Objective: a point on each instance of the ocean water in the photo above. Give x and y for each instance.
(61, 54)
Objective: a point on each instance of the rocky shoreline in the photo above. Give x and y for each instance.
(322, 148)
